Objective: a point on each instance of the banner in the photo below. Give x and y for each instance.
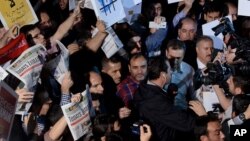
(109, 11)
(13, 49)
(130, 3)
(8, 100)
(17, 12)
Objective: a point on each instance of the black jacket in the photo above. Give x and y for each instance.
(157, 108)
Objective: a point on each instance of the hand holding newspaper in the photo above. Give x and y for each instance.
(77, 116)
(27, 68)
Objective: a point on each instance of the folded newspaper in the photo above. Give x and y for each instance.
(78, 116)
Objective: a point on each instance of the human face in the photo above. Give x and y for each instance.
(157, 9)
(113, 70)
(138, 68)
(232, 88)
(230, 55)
(204, 51)
(214, 132)
(96, 83)
(45, 20)
(174, 53)
(232, 11)
(187, 31)
(38, 38)
(211, 16)
(137, 49)
(63, 4)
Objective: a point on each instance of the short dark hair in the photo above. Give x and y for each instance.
(114, 59)
(242, 82)
(213, 7)
(175, 44)
(156, 65)
(240, 103)
(136, 55)
(203, 38)
(202, 123)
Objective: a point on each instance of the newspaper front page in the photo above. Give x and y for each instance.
(78, 117)
(27, 68)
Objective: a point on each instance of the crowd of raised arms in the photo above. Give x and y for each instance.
(155, 88)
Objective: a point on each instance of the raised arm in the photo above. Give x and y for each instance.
(95, 43)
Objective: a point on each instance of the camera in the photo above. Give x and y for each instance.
(224, 27)
(135, 128)
(216, 73)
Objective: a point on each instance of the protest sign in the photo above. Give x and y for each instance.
(59, 65)
(17, 11)
(13, 49)
(109, 11)
(130, 3)
(132, 13)
(173, 1)
(243, 7)
(8, 100)
(27, 68)
(77, 116)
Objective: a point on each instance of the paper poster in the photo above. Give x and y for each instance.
(130, 3)
(133, 13)
(8, 100)
(173, 1)
(109, 11)
(17, 11)
(244, 7)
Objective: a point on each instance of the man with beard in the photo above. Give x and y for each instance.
(138, 71)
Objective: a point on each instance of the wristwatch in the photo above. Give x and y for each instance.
(242, 117)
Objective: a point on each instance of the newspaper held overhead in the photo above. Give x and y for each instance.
(17, 12)
(243, 7)
(111, 43)
(109, 11)
(8, 100)
(59, 65)
(78, 117)
(27, 68)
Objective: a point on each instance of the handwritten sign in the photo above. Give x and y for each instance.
(17, 11)
(110, 11)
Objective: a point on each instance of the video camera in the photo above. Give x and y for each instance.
(216, 73)
(224, 27)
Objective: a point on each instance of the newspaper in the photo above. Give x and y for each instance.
(59, 65)
(27, 68)
(8, 100)
(111, 43)
(78, 117)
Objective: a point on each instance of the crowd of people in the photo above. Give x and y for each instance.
(154, 88)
